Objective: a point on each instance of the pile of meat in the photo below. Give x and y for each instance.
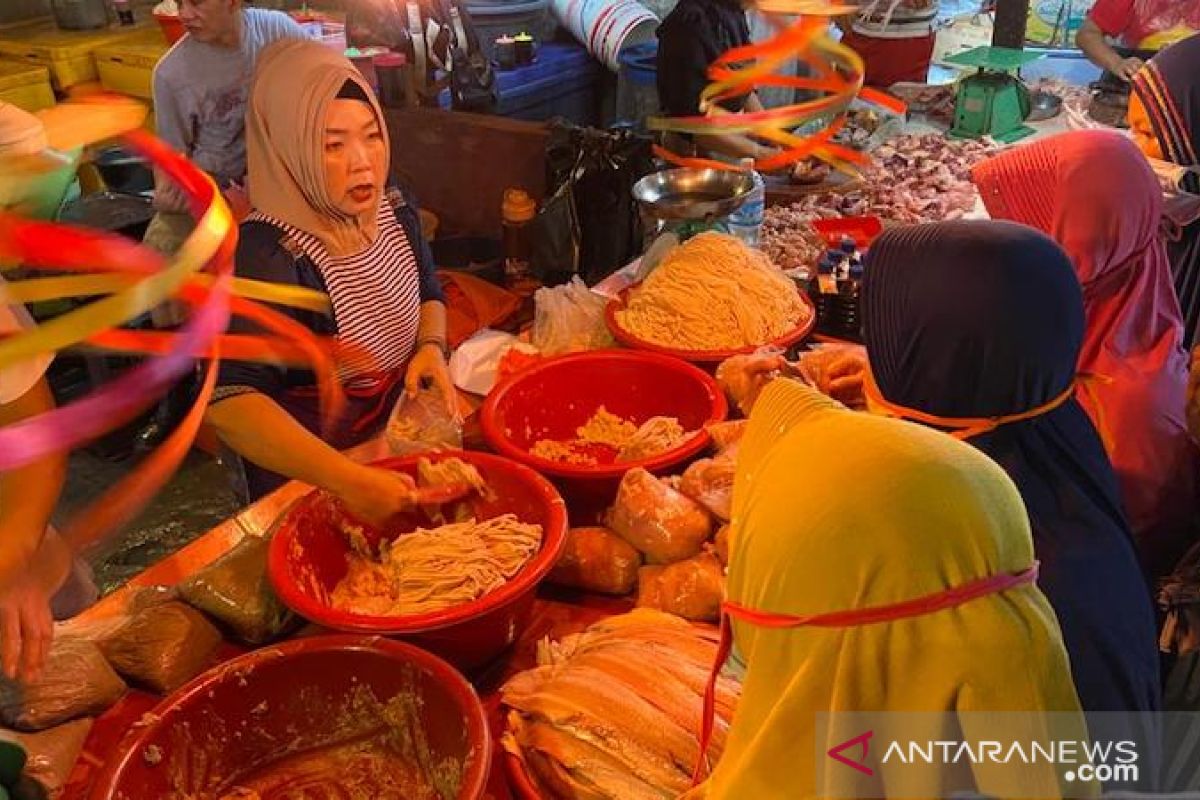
(913, 179)
(614, 712)
(662, 536)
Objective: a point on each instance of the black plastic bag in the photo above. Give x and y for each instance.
(589, 224)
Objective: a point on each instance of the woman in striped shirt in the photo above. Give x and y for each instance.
(317, 157)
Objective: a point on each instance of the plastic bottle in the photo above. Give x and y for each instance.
(517, 211)
(746, 221)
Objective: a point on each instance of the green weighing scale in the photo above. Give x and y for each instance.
(992, 102)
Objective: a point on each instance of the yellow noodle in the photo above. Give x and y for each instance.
(655, 435)
(713, 293)
(431, 570)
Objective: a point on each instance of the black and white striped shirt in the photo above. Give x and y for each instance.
(375, 295)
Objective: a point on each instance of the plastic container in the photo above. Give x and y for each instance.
(69, 55)
(606, 27)
(26, 86)
(172, 27)
(746, 221)
(128, 68)
(637, 84)
(308, 557)
(550, 400)
(240, 712)
(516, 212)
(708, 359)
(564, 81)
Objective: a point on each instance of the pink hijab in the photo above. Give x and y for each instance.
(1094, 193)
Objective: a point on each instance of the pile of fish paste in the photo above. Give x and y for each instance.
(614, 712)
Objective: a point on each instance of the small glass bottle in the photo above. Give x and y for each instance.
(517, 211)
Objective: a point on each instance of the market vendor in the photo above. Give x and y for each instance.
(895, 40)
(1145, 25)
(199, 91)
(991, 355)
(1164, 116)
(694, 35)
(1109, 222)
(324, 218)
(40, 579)
(925, 515)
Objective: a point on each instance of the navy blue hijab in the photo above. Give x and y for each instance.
(984, 319)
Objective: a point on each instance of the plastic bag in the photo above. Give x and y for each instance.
(726, 435)
(162, 647)
(691, 589)
(656, 519)
(234, 590)
(51, 758)
(76, 682)
(569, 319)
(721, 545)
(597, 560)
(709, 482)
(422, 423)
(475, 365)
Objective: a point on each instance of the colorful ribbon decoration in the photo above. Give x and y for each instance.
(131, 280)
(837, 74)
(871, 615)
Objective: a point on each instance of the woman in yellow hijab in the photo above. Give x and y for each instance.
(837, 511)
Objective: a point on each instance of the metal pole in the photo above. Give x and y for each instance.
(1011, 16)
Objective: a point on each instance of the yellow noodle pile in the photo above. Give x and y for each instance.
(431, 570)
(713, 293)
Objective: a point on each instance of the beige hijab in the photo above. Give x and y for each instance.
(294, 84)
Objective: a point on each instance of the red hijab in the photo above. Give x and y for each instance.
(1094, 193)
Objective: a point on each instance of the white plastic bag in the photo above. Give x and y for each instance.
(422, 423)
(568, 319)
(475, 365)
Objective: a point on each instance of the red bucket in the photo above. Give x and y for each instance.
(172, 27)
(307, 559)
(289, 699)
(550, 400)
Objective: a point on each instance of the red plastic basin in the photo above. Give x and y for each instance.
(709, 359)
(279, 701)
(307, 559)
(552, 399)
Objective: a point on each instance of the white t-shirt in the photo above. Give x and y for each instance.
(18, 379)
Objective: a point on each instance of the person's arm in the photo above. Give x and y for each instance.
(170, 125)
(32, 564)
(259, 429)
(1090, 39)
(27, 495)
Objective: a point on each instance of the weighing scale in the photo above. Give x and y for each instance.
(687, 201)
(992, 102)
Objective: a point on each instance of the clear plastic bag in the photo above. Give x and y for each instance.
(569, 319)
(691, 589)
(51, 758)
(76, 682)
(597, 560)
(163, 646)
(709, 482)
(422, 423)
(235, 591)
(656, 519)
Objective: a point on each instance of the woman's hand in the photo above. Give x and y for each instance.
(837, 371)
(377, 495)
(428, 364)
(743, 377)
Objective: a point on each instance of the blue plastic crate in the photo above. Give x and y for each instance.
(563, 82)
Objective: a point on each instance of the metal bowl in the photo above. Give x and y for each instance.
(692, 194)
(1044, 105)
